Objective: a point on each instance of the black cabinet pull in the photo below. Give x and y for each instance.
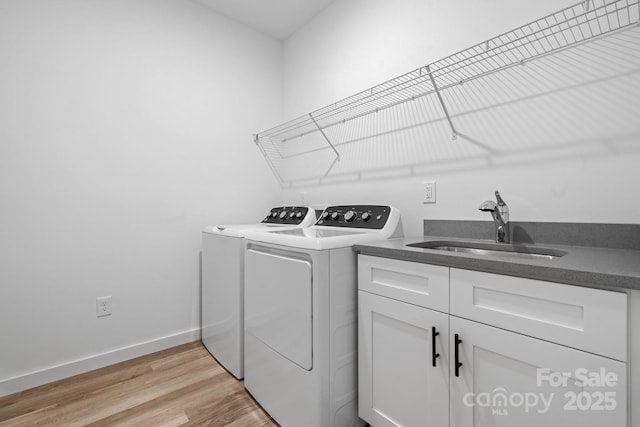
(457, 354)
(434, 355)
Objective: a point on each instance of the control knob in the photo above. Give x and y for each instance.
(283, 215)
(325, 215)
(365, 216)
(298, 214)
(335, 215)
(292, 215)
(349, 216)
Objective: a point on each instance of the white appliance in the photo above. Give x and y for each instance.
(222, 299)
(301, 315)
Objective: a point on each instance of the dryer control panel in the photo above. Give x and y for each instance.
(370, 217)
(293, 215)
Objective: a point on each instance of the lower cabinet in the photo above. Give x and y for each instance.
(420, 366)
(508, 379)
(403, 363)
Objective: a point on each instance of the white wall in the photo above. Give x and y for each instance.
(125, 128)
(356, 44)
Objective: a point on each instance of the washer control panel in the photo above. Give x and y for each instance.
(355, 216)
(293, 215)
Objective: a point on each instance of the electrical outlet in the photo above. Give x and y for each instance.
(429, 194)
(103, 306)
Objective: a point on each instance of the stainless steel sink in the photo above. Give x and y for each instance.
(492, 249)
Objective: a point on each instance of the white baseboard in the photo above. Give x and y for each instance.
(75, 367)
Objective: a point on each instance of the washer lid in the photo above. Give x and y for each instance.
(316, 232)
(282, 217)
(239, 230)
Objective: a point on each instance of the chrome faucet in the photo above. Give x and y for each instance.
(500, 213)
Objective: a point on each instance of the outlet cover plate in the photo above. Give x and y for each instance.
(103, 306)
(429, 192)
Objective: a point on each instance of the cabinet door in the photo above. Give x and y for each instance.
(508, 379)
(398, 384)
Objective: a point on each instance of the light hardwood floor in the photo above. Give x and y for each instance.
(183, 385)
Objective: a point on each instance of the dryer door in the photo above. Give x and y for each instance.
(279, 302)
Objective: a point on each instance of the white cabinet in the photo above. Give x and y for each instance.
(508, 379)
(403, 363)
(507, 362)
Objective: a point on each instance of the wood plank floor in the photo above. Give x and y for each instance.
(183, 385)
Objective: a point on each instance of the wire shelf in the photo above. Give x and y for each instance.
(439, 98)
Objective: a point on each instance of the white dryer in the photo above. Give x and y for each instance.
(301, 315)
(222, 298)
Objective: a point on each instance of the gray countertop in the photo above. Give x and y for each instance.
(582, 265)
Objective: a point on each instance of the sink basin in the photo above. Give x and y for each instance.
(492, 249)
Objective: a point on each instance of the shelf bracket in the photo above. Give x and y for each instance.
(325, 137)
(328, 142)
(454, 134)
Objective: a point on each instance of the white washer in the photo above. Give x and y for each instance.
(222, 299)
(301, 315)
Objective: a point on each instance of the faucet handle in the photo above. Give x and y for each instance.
(502, 207)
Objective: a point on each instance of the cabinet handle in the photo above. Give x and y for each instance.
(458, 364)
(434, 355)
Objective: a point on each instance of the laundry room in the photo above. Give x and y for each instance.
(131, 129)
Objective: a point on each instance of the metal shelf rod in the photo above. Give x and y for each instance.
(325, 137)
(454, 134)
